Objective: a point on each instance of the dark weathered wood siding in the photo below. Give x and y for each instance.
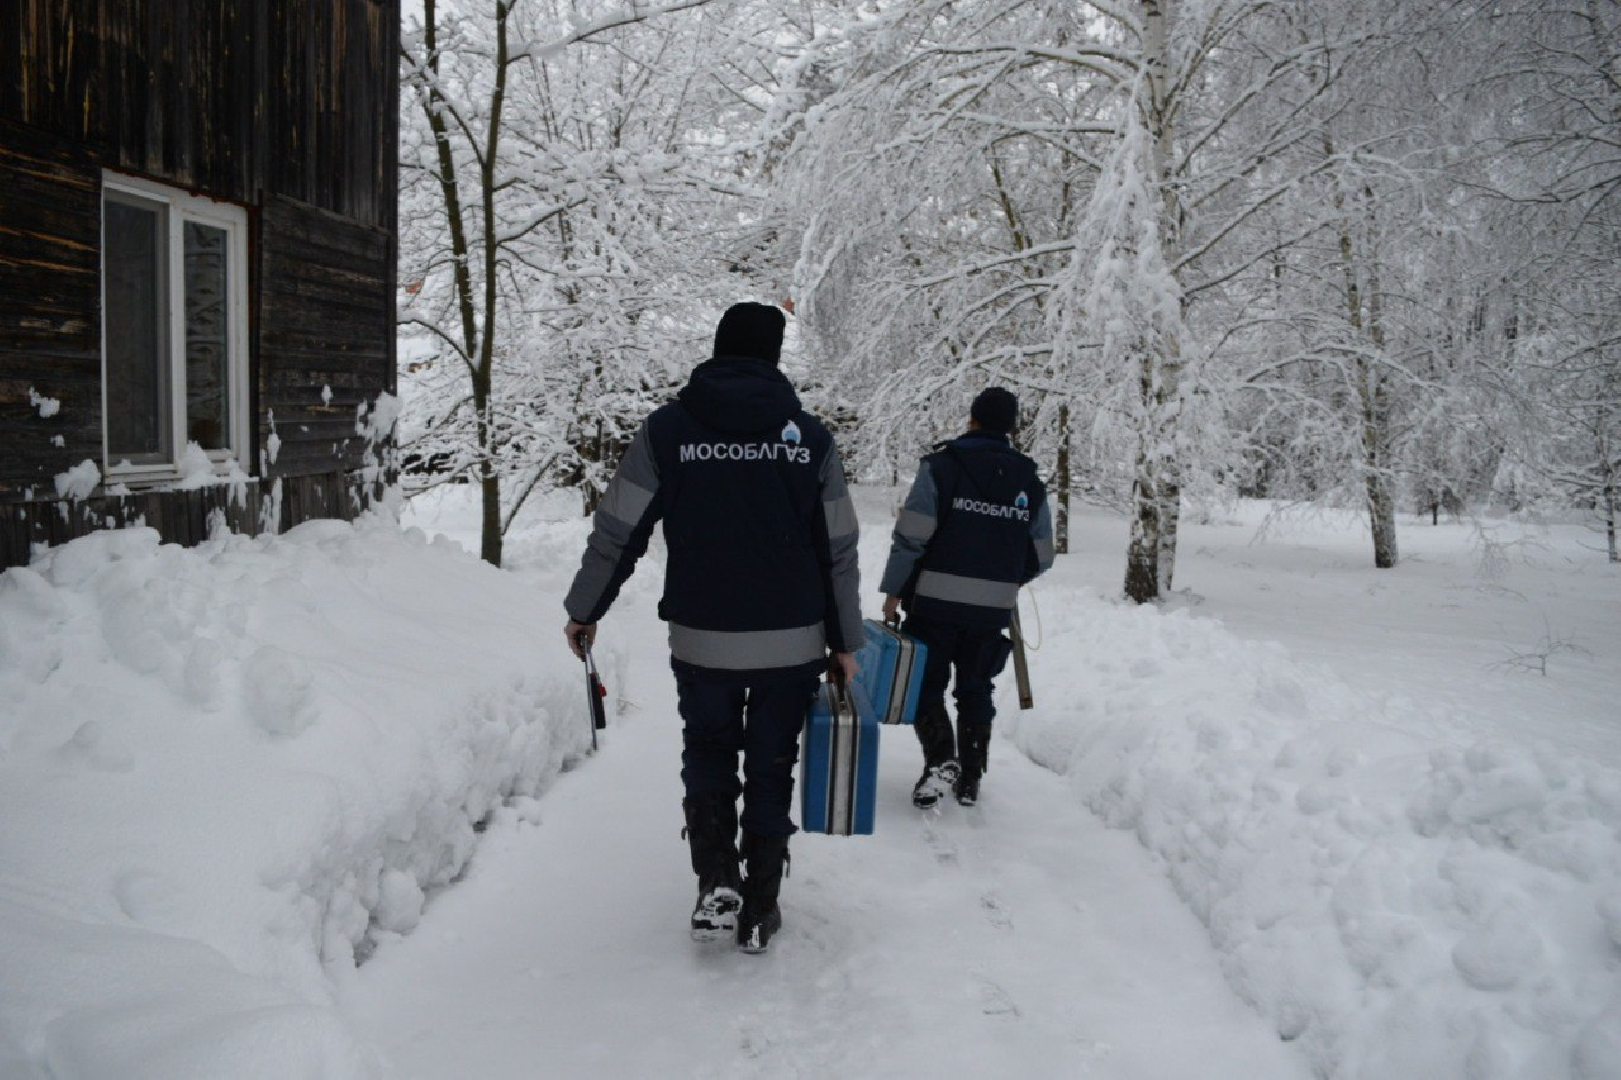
(184, 517)
(326, 323)
(287, 107)
(235, 98)
(50, 330)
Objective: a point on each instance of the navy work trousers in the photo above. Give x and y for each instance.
(976, 653)
(727, 714)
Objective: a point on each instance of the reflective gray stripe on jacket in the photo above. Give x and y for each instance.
(980, 592)
(1041, 534)
(913, 528)
(748, 650)
(843, 533)
(627, 501)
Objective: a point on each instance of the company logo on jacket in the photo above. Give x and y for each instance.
(1019, 510)
(789, 449)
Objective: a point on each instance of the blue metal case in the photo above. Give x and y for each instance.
(838, 784)
(890, 673)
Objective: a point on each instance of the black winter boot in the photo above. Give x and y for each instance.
(975, 742)
(940, 768)
(712, 833)
(767, 859)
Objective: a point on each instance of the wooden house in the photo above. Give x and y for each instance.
(197, 252)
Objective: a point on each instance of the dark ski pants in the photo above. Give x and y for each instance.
(727, 714)
(977, 654)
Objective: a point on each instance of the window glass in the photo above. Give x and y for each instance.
(173, 356)
(207, 341)
(137, 367)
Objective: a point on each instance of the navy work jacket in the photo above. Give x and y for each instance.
(975, 527)
(760, 530)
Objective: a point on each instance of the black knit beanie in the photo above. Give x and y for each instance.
(751, 330)
(995, 409)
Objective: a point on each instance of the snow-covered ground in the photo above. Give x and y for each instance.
(1403, 837)
(225, 770)
(1357, 830)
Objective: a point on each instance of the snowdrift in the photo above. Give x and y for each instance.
(1401, 896)
(225, 771)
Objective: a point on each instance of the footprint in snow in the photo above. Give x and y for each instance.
(944, 848)
(975, 816)
(994, 911)
(752, 1043)
(994, 1001)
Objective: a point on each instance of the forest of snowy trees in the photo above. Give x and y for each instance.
(1361, 255)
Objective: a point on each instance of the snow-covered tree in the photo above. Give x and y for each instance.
(573, 213)
(954, 234)
(1361, 254)
(1335, 338)
(1559, 169)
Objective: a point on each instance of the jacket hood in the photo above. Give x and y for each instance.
(739, 395)
(981, 454)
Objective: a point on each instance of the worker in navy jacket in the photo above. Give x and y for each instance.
(974, 528)
(760, 586)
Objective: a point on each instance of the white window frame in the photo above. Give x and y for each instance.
(233, 220)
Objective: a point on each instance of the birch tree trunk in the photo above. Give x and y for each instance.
(1609, 522)
(1608, 495)
(1376, 423)
(1369, 381)
(1375, 405)
(1062, 481)
(1157, 489)
(1142, 550)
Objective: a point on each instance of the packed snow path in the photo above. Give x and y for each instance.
(1020, 938)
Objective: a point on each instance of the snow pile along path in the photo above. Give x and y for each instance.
(224, 771)
(1401, 895)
